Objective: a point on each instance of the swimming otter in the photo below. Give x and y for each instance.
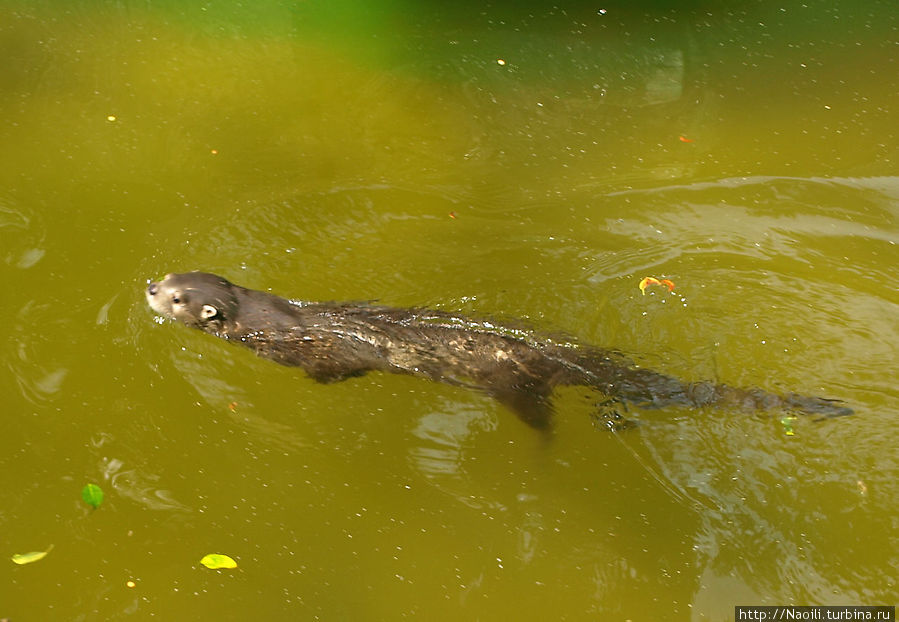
(332, 342)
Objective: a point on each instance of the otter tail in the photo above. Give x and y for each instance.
(622, 381)
(619, 378)
(824, 407)
(705, 393)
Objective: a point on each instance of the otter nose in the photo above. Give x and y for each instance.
(152, 288)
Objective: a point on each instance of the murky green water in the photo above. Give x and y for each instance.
(507, 161)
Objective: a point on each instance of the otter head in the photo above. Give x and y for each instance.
(198, 299)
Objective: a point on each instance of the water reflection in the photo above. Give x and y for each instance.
(38, 378)
(140, 486)
(443, 437)
(763, 492)
(207, 377)
(23, 237)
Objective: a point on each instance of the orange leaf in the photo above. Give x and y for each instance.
(651, 280)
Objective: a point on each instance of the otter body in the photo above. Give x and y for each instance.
(333, 341)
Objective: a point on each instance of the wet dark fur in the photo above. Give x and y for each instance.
(333, 341)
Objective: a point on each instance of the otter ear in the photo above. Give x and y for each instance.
(208, 312)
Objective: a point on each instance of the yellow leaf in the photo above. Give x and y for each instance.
(28, 558)
(215, 561)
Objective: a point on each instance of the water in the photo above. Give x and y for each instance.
(506, 161)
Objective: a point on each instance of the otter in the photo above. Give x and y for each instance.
(335, 341)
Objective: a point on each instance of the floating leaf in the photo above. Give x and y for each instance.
(215, 561)
(649, 280)
(787, 423)
(92, 495)
(28, 558)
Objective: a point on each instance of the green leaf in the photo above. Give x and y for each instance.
(28, 558)
(215, 561)
(92, 495)
(787, 423)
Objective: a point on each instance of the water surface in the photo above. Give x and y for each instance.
(528, 162)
